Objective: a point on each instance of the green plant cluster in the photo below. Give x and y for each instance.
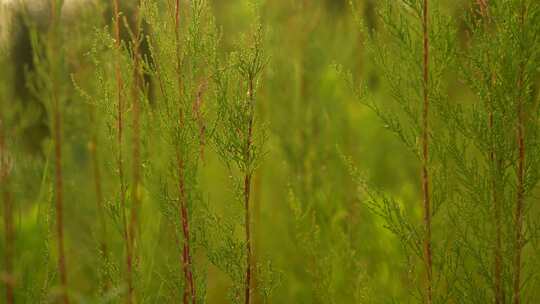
(311, 151)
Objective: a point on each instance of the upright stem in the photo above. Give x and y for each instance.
(495, 166)
(189, 291)
(136, 182)
(247, 193)
(57, 131)
(257, 193)
(59, 196)
(520, 173)
(496, 202)
(9, 230)
(425, 159)
(119, 142)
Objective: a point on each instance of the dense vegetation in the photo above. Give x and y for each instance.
(310, 151)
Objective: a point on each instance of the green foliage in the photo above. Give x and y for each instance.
(475, 158)
(211, 151)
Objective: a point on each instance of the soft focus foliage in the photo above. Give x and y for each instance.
(212, 151)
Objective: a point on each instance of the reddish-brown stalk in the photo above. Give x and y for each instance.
(257, 193)
(9, 230)
(257, 200)
(120, 139)
(189, 290)
(137, 89)
(57, 134)
(495, 164)
(518, 221)
(247, 193)
(425, 159)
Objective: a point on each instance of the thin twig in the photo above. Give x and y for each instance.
(189, 291)
(247, 192)
(57, 131)
(495, 165)
(137, 88)
(120, 139)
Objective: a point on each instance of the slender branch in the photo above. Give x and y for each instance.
(257, 193)
(521, 172)
(59, 194)
(189, 292)
(57, 131)
(495, 166)
(120, 139)
(425, 159)
(136, 92)
(247, 192)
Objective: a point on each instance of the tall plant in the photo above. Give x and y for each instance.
(47, 85)
(497, 66)
(118, 93)
(412, 51)
(183, 49)
(238, 137)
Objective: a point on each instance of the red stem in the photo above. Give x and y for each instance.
(120, 138)
(57, 127)
(495, 165)
(189, 292)
(247, 193)
(187, 265)
(59, 200)
(135, 192)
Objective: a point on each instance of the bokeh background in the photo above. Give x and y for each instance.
(311, 228)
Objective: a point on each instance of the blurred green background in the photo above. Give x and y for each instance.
(309, 222)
